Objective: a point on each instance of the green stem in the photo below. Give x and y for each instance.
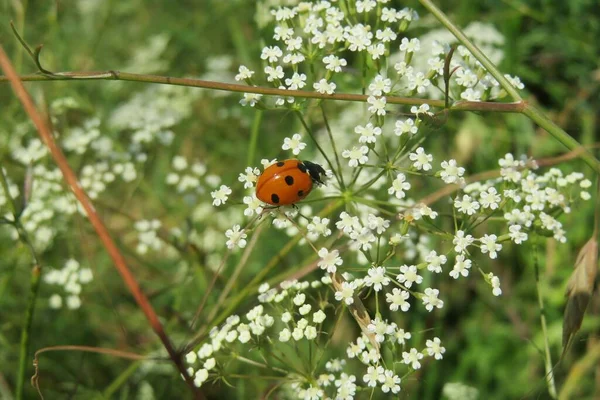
(465, 41)
(559, 134)
(310, 133)
(254, 137)
(527, 109)
(337, 157)
(26, 331)
(548, 357)
(121, 379)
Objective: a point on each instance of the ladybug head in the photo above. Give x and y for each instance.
(315, 171)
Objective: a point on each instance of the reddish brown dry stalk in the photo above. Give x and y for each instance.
(515, 107)
(111, 248)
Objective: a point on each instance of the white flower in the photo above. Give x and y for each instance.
(410, 46)
(401, 336)
(380, 328)
(200, 377)
(255, 206)
(297, 81)
(271, 53)
(490, 198)
(471, 94)
(236, 237)
(412, 358)
(274, 73)
(398, 299)
(318, 227)
(405, 126)
(250, 99)
(249, 177)
(55, 301)
(386, 35)
(515, 81)
(516, 235)
(409, 275)
(304, 309)
(377, 105)
(294, 144)
(489, 245)
(358, 155)
(364, 6)
(418, 82)
(329, 260)
(334, 63)
(244, 73)
(348, 223)
(377, 224)
(346, 294)
(461, 267)
(495, 282)
(310, 332)
(319, 317)
(421, 159)
(461, 242)
(435, 348)
(363, 239)
(221, 195)
(430, 299)
(377, 278)
(399, 186)
(376, 50)
(390, 382)
(435, 262)
(467, 205)
(368, 133)
(324, 87)
(380, 85)
(299, 299)
(373, 375)
(452, 173)
(284, 335)
(298, 333)
(210, 364)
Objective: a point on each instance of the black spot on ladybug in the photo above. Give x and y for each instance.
(300, 193)
(275, 198)
(302, 167)
(280, 163)
(289, 180)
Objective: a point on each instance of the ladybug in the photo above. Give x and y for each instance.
(287, 182)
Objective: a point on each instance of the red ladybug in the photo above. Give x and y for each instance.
(287, 182)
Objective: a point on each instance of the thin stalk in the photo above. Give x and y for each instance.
(335, 152)
(548, 357)
(312, 136)
(254, 137)
(24, 361)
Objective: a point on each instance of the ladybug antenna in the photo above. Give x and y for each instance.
(315, 171)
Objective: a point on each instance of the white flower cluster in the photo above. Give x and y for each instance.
(148, 239)
(151, 115)
(71, 277)
(185, 177)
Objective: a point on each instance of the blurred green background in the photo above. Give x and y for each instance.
(493, 344)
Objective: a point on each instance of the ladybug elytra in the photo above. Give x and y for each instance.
(287, 182)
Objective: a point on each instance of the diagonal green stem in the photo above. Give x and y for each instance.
(533, 113)
(465, 41)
